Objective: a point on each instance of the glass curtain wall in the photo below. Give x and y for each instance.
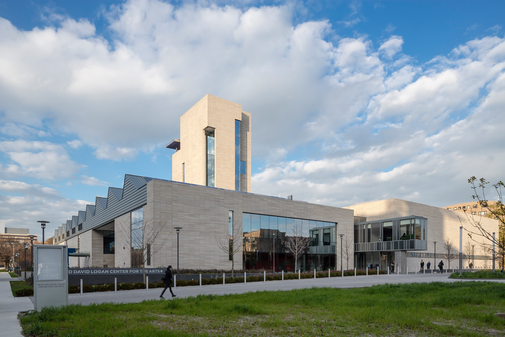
(264, 243)
(137, 237)
(211, 158)
(237, 155)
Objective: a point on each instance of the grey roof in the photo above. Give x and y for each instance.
(119, 201)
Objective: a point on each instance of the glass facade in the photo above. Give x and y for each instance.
(137, 237)
(211, 159)
(375, 242)
(108, 242)
(264, 243)
(237, 155)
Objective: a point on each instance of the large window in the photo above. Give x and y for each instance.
(108, 242)
(211, 158)
(237, 155)
(137, 237)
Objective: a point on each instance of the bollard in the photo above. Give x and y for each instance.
(407, 270)
(245, 277)
(388, 270)
(224, 281)
(175, 281)
(314, 273)
(424, 270)
(377, 271)
(147, 282)
(115, 285)
(329, 276)
(200, 277)
(299, 277)
(283, 275)
(354, 271)
(81, 287)
(366, 270)
(342, 271)
(264, 275)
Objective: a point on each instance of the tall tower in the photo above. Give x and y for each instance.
(215, 146)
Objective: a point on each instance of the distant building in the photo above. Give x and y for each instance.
(471, 208)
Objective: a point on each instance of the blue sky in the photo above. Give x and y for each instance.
(351, 101)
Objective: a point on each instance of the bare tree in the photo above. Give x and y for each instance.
(297, 244)
(143, 239)
(494, 209)
(231, 245)
(449, 248)
(468, 254)
(348, 251)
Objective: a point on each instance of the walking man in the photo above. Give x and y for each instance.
(441, 266)
(168, 281)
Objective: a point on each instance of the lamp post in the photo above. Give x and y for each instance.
(177, 229)
(43, 225)
(26, 248)
(473, 257)
(341, 265)
(31, 258)
(435, 245)
(273, 261)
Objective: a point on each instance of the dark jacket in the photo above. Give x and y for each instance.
(168, 277)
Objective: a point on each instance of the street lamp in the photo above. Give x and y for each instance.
(31, 257)
(341, 265)
(43, 225)
(26, 248)
(177, 229)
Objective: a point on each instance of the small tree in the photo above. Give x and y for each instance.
(232, 244)
(297, 244)
(495, 210)
(348, 249)
(449, 248)
(468, 253)
(142, 237)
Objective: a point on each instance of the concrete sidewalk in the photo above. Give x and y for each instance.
(10, 306)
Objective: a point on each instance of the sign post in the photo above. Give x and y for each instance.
(50, 276)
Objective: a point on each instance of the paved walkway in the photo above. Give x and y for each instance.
(10, 305)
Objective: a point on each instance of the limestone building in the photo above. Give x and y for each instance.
(210, 200)
(215, 146)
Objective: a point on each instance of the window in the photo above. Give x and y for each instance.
(237, 155)
(211, 158)
(464, 207)
(68, 234)
(79, 228)
(448, 208)
(326, 236)
(474, 213)
(475, 206)
(468, 207)
(455, 208)
(482, 213)
(108, 242)
(148, 254)
(73, 230)
(459, 207)
(136, 240)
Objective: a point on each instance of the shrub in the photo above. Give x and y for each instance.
(160, 284)
(239, 280)
(181, 283)
(87, 288)
(73, 289)
(126, 286)
(100, 287)
(230, 280)
(139, 285)
(110, 287)
(24, 292)
(193, 283)
(152, 285)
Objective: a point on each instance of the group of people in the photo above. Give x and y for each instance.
(428, 265)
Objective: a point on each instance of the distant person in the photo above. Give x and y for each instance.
(428, 265)
(470, 265)
(168, 281)
(441, 266)
(422, 265)
(393, 266)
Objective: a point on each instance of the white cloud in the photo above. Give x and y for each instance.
(75, 144)
(392, 46)
(42, 160)
(93, 181)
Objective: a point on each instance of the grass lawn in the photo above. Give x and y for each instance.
(17, 285)
(481, 274)
(426, 309)
(13, 274)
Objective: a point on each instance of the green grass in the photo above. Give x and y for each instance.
(481, 274)
(18, 285)
(427, 309)
(13, 274)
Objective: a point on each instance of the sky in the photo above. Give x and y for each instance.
(351, 101)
